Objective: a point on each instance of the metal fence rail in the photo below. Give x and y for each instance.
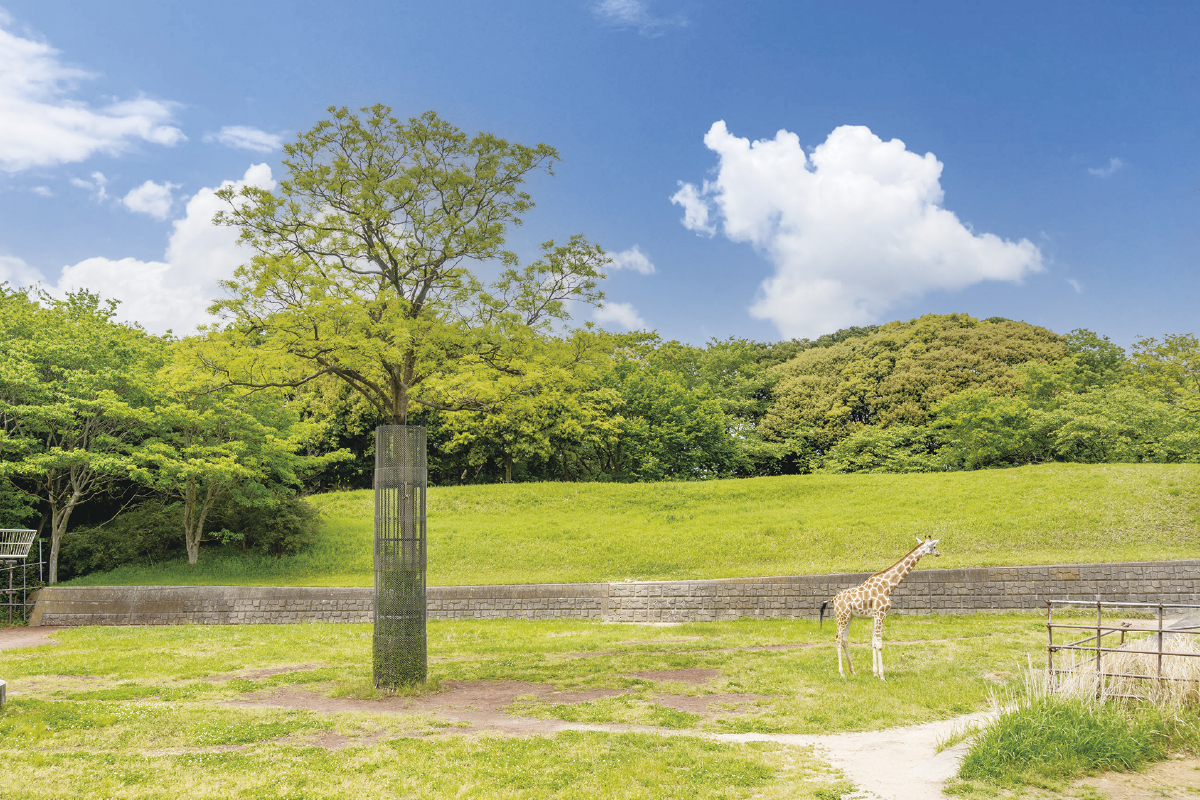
(1188, 625)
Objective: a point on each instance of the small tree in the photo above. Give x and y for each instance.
(362, 267)
(207, 447)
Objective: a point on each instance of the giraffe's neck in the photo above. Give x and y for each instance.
(904, 566)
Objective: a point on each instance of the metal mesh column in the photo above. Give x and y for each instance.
(401, 478)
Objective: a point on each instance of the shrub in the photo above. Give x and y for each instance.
(146, 534)
(283, 526)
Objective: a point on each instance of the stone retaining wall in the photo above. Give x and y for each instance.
(928, 591)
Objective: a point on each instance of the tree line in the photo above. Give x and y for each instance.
(361, 305)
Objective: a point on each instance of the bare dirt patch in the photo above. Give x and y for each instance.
(1174, 778)
(682, 675)
(12, 638)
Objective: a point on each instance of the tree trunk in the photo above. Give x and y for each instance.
(58, 526)
(60, 513)
(508, 465)
(193, 517)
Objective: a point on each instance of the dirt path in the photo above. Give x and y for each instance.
(20, 636)
(896, 764)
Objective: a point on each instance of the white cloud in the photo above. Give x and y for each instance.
(1114, 164)
(850, 231)
(635, 14)
(17, 273)
(1076, 285)
(150, 198)
(172, 293)
(44, 126)
(633, 259)
(695, 207)
(622, 316)
(243, 137)
(97, 186)
(44, 191)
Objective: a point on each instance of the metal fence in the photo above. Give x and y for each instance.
(1165, 631)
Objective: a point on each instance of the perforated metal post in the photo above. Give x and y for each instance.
(401, 479)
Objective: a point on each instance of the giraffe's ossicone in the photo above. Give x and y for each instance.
(873, 598)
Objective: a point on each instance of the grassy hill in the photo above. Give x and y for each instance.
(573, 532)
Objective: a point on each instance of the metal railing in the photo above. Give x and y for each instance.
(1094, 643)
(17, 582)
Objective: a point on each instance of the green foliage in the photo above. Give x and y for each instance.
(898, 373)
(147, 534)
(1119, 424)
(76, 391)
(285, 525)
(983, 429)
(1169, 369)
(899, 448)
(362, 270)
(668, 430)
(16, 507)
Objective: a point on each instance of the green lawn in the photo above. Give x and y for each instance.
(151, 712)
(585, 532)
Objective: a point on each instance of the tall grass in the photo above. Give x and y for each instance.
(787, 525)
(1050, 733)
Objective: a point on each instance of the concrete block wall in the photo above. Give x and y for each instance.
(926, 591)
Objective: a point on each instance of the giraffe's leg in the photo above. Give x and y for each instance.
(837, 643)
(843, 644)
(877, 646)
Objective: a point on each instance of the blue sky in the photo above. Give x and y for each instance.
(1034, 161)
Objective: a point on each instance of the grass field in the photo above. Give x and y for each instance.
(573, 532)
(185, 710)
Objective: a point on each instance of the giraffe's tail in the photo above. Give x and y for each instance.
(821, 618)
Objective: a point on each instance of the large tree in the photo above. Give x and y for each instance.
(75, 395)
(362, 267)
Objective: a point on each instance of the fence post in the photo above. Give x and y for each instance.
(1099, 671)
(1160, 640)
(1050, 639)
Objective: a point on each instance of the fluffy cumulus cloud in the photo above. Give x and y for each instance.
(151, 198)
(631, 259)
(850, 229)
(619, 317)
(43, 125)
(243, 137)
(172, 293)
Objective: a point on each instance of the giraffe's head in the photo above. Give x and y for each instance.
(927, 547)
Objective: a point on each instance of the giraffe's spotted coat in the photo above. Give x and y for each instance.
(873, 598)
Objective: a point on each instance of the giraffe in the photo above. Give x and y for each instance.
(873, 598)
